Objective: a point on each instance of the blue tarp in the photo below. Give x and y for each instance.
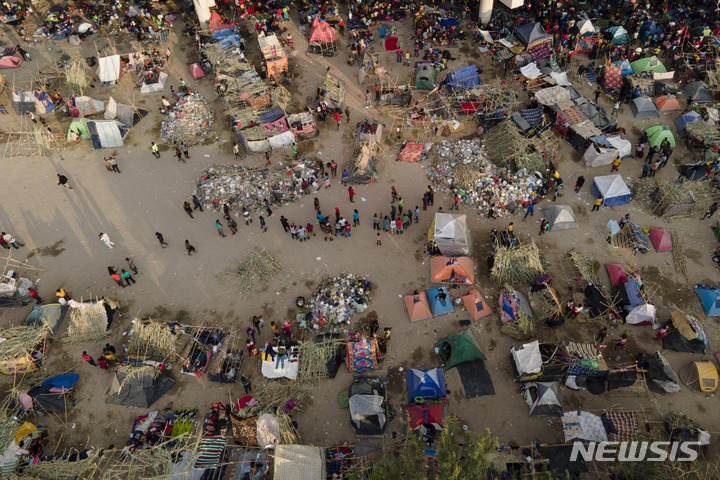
(439, 306)
(710, 299)
(532, 115)
(425, 383)
(633, 293)
(625, 68)
(227, 38)
(272, 116)
(683, 120)
(448, 22)
(466, 77)
(64, 380)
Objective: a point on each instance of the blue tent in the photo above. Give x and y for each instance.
(619, 35)
(612, 189)
(425, 383)
(439, 303)
(683, 120)
(625, 68)
(710, 299)
(466, 77)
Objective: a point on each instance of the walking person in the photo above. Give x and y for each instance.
(190, 249)
(543, 224)
(285, 223)
(111, 164)
(131, 265)
(246, 215)
(179, 155)
(333, 168)
(184, 150)
(219, 227)
(623, 341)
(10, 240)
(616, 164)
(33, 293)
(263, 226)
(393, 193)
(232, 225)
(417, 213)
(63, 182)
(456, 202)
(351, 194)
(376, 222)
(368, 99)
(197, 203)
(579, 183)
(155, 149)
(347, 114)
(236, 151)
(161, 239)
(247, 385)
(530, 211)
(188, 209)
(710, 211)
(106, 239)
(127, 276)
(89, 359)
(337, 118)
(400, 206)
(602, 333)
(116, 276)
(646, 170)
(294, 151)
(379, 239)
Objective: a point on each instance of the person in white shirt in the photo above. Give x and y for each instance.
(105, 238)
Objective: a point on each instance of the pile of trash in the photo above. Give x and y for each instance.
(242, 187)
(335, 300)
(463, 166)
(189, 120)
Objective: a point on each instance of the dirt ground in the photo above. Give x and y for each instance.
(60, 229)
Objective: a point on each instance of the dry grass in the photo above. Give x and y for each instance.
(517, 265)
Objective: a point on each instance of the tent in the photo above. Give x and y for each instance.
(527, 358)
(699, 92)
(425, 416)
(618, 35)
(196, 70)
(417, 307)
(10, 61)
(531, 34)
(322, 32)
(50, 315)
(668, 103)
(612, 189)
(50, 396)
(439, 300)
(465, 78)
(684, 119)
(585, 27)
(643, 314)
(475, 305)
(78, 129)
(460, 348)
(109, 68)
(84, 106)
(425, 383)
(138, 386)
(158, 86)
(710, 299)
(368, 407)
(425, 78)
(560, 217)
(657, 133)
(452, 270)
(616, 274)
(643, 107)
(660, 376)
(648, 64)
(625, 68)
(298, 462)
(703, 373)
(543, 398)
(105, 134)
(661, 240)
(451, 234)
(613, 78)
(23, 102)
(688, 334)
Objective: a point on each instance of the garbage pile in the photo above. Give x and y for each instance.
(241, 187)
(190, 119)
(463, 165)
(335, 300)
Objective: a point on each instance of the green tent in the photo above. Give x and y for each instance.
(50, 315)
(658, 133)
(455, 349)
(649, 64)
(79, 127)
(425, 78)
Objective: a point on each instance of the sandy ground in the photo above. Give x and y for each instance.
(60, 230)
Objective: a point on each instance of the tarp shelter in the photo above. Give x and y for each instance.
(613, 78)
(439, 300)
(126, 115)
(288, 369)
(303, 125)
(138, 386)
(684, 119)
(50, 315)
(604, 150)
(618, 35)
(648, 64)
(643, 314)
(584, 45)
(109, 68)
(23, 102)
(578, 425)
(699, 92)
(660, 239)
(158, 86)
(10, 61)
(368, 407)
(616, 274)
(417, 307)
(643, 107)
(527, 358)
(475, 304)
(196, 70)
(451, 234)
(703, 373)
(84, 106)
(710, 299)
(560, 217)
(411, 152)
(668, 103)
(625, 68)
(322, 32)
(460, 348)
(427, 416)
(425, 78)
(657, 133)
(49, 397)
(688, 334)
(362, 355)
(463, 79)
(660, 376)
(453, 270)
(532, 34)
(511, 303)
(425, 383)
(105, 134)
(298, 462)
(612, 189)
(78, 129)
(543, 398)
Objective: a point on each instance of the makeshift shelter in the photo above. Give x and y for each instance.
(362, 355)
(668, 103)
(303, 126)
(363, 164)
(427, 417)
(687, 335)
(616, 274)
(425, 78)
(15, 292)
(50, 396)
(273, 53)
(625, 68)
(703, 373)
(515, 315)
(710, 299)
(660, 239)
(612, 79)
(612, 189)
(685, 118)
(660, 376)
(641, 315)
(50, 315)
(648, 64)
(460, 348)
(105, 134)
(618, 35)
(425, 384)
(643, 107)
(560, 217)
(411, 152)
(463, 79)
(109, 69)
(455, 270)
(196, 70)
(675, 198)
(369, 406)
(543, 398)
(604, 149)
(532, 34)
(323, 37)
(475, 305)
(451, 234)
(515, 264)
(699, 92)
(579, 425)
(157, 86)
(439, 300)
(417, 307)
(84, 106)
(22, 348)
(23, 102)
(138, 386)
(527, 357)
(657, 133)
(298, 462)
(333, 92)
(78, 129)
(10, 61)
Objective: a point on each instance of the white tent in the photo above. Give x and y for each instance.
(585, 26)
(543, 399)
(596, 156)
(202, 7)
(612, 189)
(643, 314)
(109, 68)
(580, 425)
(451, 234)
(527, 358)
(105, 134)
(159, 86)
(299, 462)
(560, 217)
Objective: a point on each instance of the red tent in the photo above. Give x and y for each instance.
(660, 239)
(613, 78)
(10, 62)
(322, 32)
(428, 414)
(196, 71)
(391, 44)
(216, 22)
(616, 274)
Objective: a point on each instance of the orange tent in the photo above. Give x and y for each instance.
(417, 307)
(668, 104)
(476, 305)
(456, 270)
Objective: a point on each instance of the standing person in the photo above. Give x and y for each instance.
(333, 168)
(417, 213)
(219, 227)
(285, 223)
(178, 154)
(263, 226)
(345, 176)
(579, 183)
(661, 333)
(377, 93)
(236, 151)
(356, 218)
(184, 150)
(316, 204)
(267, 157)
(328, 231)
(615, 164)
(543, 224)
(106, 239)
(456, 202)
(602, 333)
(155, 150)
(337, 118)
(393, 193)
(400, 206)
(246, 215)
(616, 109)
(161, 239)
(379, 239)
(368, 98)
(431, 195)
(190, 249)
(623, 341)
(131, 265)
(530, 211)
(654, 167)
(598, 91)
(89, 359)
(63, 181)
(347, 114)
(399, 226)
(646, 170)
(351, 194)
(639, 150)
(295, 151)
(127, 276)
(598, 203)
(4, 243)
(293, 232)
(392, 212)
(348, 231)
(197, 203)
(10, 240)
(247, 385)
(188, 209)
(558, 186)
(376, 222)
(407, 58)
(232, 225)
(710, 211)
(251, 333)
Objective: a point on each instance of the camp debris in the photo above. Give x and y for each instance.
(464, 166)
(336, 299)
(190, 119)
(240, 186)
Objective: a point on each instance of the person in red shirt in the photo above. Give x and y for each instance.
(351, 194)
(337, 119)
